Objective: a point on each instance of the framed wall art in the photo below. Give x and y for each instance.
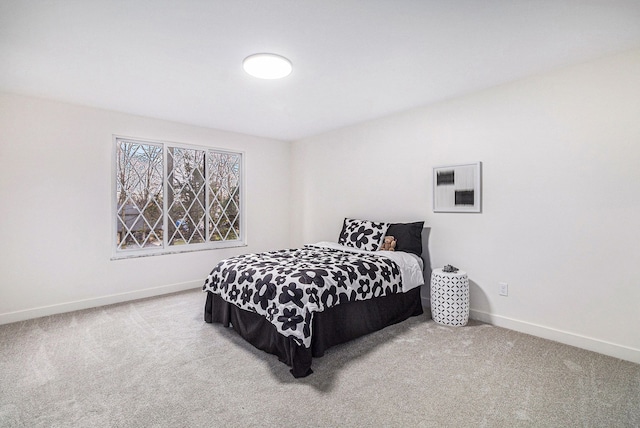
(457, 188)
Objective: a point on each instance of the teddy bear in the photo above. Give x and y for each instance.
(389, 243)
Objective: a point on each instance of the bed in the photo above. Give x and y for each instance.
(297, 303)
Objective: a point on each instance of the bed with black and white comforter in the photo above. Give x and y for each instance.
(289, 291)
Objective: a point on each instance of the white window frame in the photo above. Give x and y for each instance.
(165, 248)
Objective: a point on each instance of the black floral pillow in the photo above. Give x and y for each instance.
(362, 234)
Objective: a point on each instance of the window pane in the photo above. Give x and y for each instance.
(224, 196)
(186, 196)
(139, 172)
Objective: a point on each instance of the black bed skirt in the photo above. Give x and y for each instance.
(330, 327)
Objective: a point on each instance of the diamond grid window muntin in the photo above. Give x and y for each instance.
(199, 204)
(186, 191)
(224, 188)
(139, 182)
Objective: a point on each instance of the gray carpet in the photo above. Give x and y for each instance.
(155, 363)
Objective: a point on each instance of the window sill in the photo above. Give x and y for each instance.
(134, 254)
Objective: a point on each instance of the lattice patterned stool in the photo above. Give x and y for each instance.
(450, 297)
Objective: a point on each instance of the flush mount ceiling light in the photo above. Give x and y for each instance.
(267, 66)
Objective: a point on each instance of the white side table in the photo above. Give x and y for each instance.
(450, 297)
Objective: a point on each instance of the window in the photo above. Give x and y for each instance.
(174, 197)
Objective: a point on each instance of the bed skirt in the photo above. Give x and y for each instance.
(331, 327)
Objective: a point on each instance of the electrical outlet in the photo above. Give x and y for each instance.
(503, 289)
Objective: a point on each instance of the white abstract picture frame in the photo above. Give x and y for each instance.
(458, 188)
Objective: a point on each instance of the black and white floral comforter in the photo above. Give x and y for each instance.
(288, 286)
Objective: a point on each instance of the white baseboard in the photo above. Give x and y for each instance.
(77, 305)
(588, 343)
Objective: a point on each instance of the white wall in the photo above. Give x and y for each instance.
(561, 197)
(55, 207)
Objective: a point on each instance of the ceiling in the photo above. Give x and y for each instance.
(354, 60)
